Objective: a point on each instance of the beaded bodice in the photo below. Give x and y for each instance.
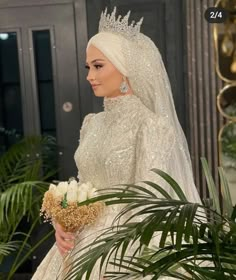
(121, 144)
(106, 154)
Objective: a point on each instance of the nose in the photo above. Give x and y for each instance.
(90, 76)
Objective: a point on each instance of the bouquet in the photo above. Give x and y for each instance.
(61, 205)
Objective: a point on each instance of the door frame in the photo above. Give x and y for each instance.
(81, 30)
(80, 37)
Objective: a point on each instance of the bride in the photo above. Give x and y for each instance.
(137, 130)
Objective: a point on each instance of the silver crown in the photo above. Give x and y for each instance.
(109, 23)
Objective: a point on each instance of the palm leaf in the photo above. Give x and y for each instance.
(228, 205)
(24, 169)
(8, 248)
(18, 200)
(119, 237)
(24, 251)
(172, 183)
(211, 186)
(182, 235)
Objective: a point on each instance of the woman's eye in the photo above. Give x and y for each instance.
(97, 66)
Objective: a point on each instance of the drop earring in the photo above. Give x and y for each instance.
(124, 86)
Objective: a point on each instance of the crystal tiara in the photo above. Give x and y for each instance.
(109, 23)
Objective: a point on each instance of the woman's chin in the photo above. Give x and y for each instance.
(97, 94)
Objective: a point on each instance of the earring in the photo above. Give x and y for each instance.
(124, 86)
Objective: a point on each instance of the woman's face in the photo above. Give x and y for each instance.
(104, 78)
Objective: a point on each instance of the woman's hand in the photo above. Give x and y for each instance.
(65, 240)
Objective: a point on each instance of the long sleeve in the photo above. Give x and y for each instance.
(157, 147)
(155, 141)
(85, 124)
(83, 131)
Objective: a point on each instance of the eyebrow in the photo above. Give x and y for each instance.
(95, 60)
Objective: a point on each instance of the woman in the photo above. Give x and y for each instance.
(137, 130)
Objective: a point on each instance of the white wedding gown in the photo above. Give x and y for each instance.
(117, 146)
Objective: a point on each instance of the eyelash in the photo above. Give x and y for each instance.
(97, 66)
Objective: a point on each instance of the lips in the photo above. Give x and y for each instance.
(94, 86)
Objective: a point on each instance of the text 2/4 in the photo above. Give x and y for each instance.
(216, 15)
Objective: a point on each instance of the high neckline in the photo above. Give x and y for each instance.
(119, 103)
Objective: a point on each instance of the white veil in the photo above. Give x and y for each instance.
(137, 57)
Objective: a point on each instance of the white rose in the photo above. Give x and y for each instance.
(92, 192)
(72, 191)
(62, 188)
(52, 188)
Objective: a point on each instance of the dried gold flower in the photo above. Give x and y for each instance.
(71, 218)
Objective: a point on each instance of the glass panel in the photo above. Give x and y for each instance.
(11, 121)
(44, 79)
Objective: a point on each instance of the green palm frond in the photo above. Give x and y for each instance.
(20, 200)
(211, 186)
(9, 247)
(183, 239)
(25, 250)
(227, 200)
(172, 183)
(25, 160)
(24, 170)
(121, 237)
